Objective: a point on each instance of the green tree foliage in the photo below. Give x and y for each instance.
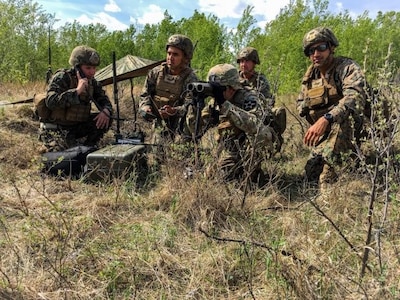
(23, 29)
(152, 38)
(121, 41)
(246, 31)
(202, 29)
(281, 53)
(24, 51)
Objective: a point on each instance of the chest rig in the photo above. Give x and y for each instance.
(169, 87)
(74, 113)
(321, 93)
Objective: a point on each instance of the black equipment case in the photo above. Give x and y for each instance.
(69, 162)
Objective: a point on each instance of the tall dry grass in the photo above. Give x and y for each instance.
(175, 238)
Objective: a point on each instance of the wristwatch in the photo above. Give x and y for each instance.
(329, 117)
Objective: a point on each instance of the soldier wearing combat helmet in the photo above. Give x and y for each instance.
(163, 100)
(332, 99)
(83, 55)
(248, 59)
(70, 95)
(240, 126)
(182, 42)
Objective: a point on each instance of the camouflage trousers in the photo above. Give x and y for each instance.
(57, 137)
(235, 158)
(329, 153)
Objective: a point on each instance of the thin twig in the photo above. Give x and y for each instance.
(258, 244)
(352, 247)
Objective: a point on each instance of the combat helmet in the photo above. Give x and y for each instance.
(224, 75)
(248, 53)
(84, 55)
(182, 42)
(319, 34)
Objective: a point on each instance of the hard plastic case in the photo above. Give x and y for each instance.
(116, 161)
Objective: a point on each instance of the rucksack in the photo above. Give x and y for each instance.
(40, 108)
(39, 101)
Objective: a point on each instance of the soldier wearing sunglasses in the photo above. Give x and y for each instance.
(332, 98)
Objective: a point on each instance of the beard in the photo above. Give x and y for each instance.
(323, 62)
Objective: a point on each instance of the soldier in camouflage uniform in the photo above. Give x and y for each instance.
(240, 133)
(69, 97)
(163, 99)
(248, 59)
(332, 99)
(248, 76)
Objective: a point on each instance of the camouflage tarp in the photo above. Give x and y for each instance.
(127, 67)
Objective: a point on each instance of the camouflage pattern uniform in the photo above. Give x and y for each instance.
(162, 88)
(71, 118)
(240, 134)
(340, 98)
(258, 82)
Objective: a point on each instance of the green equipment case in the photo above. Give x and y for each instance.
(117, 161)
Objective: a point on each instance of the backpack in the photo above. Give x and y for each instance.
(39, 101)
(40, 108)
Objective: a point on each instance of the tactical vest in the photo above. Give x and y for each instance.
(321, 93)
(75, 113)
(169, 87)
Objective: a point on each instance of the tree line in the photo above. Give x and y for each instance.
(31, 45)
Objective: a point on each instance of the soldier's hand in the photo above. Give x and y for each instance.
(167, 111)
(314, 133)
(82, 84)
(103, 119)
(147, 113)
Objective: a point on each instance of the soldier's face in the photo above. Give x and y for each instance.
(229, 93)
(319, 54)
(175, 58)
(89, 71)
(246, 66)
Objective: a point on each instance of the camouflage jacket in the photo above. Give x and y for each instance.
(258, 82)
(244, 114)
(61, 92)
(151, 88)
(343, 88)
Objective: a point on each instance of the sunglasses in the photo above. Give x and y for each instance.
(320, 48)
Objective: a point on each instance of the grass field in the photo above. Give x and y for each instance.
(174, 238)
